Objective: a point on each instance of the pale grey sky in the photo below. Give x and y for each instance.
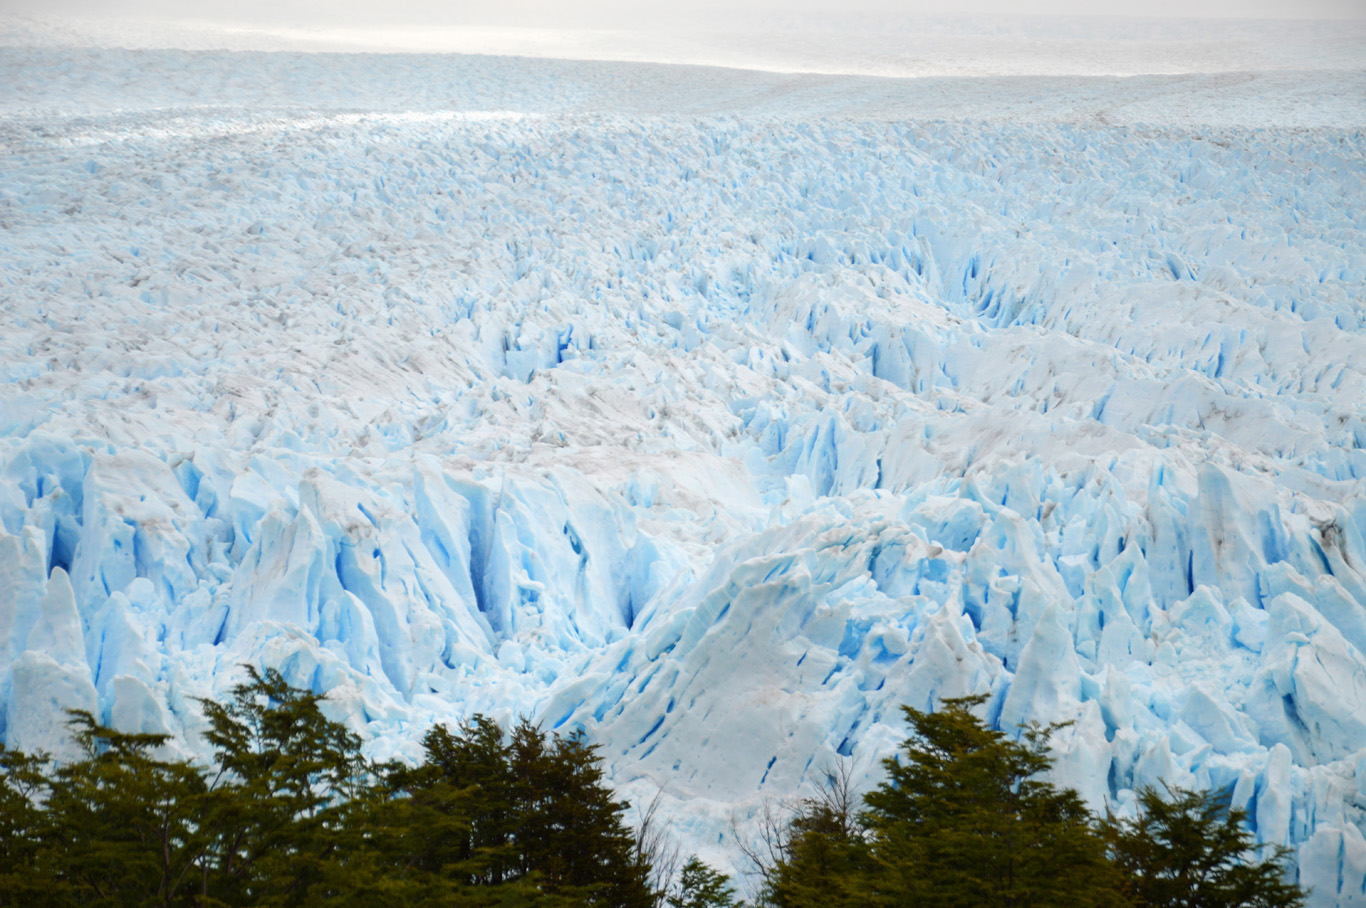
(601, 12)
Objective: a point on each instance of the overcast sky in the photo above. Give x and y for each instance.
(602, 12)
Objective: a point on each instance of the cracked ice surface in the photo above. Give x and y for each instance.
(445, 388)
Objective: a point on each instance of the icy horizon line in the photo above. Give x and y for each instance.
(1157, 47)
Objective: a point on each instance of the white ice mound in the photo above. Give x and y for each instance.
(718, 438)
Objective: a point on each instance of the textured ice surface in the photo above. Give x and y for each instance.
(442, 387)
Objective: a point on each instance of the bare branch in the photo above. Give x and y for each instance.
(657, 849)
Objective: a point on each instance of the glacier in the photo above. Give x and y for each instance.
(716, 414)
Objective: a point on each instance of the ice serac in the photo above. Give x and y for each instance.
(50, 676)
(720, 439)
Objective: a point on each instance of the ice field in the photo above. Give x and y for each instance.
(716, 413)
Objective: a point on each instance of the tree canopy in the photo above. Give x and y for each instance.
(288, 813)
(967, 817)
(1189, 849)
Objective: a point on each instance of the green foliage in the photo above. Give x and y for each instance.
(118, 827)
(826, 860)
(572, 831)
(964, 820)
(285, 778)
(701, 887)
(130, 820)
(25, 878)
(527, 811)
(289, 813)
(1189, 851)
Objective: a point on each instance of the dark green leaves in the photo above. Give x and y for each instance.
(701, 887)
(1188, 849)
(119, 827)
(964, 820)
(290, 814)
(526, 811)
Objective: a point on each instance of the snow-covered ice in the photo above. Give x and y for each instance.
(715, 413)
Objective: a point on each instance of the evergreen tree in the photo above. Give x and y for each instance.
(964, 820)
(1190, 851)
(123, 827)
(453, 823)
(573, 829)
(826, 862)
(284, 777)
(701, 887)
(27, 876)
(526, 811)
(290, 814)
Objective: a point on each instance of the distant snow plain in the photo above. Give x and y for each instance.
(715, 411)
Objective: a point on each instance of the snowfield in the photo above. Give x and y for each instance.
(715, 413)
